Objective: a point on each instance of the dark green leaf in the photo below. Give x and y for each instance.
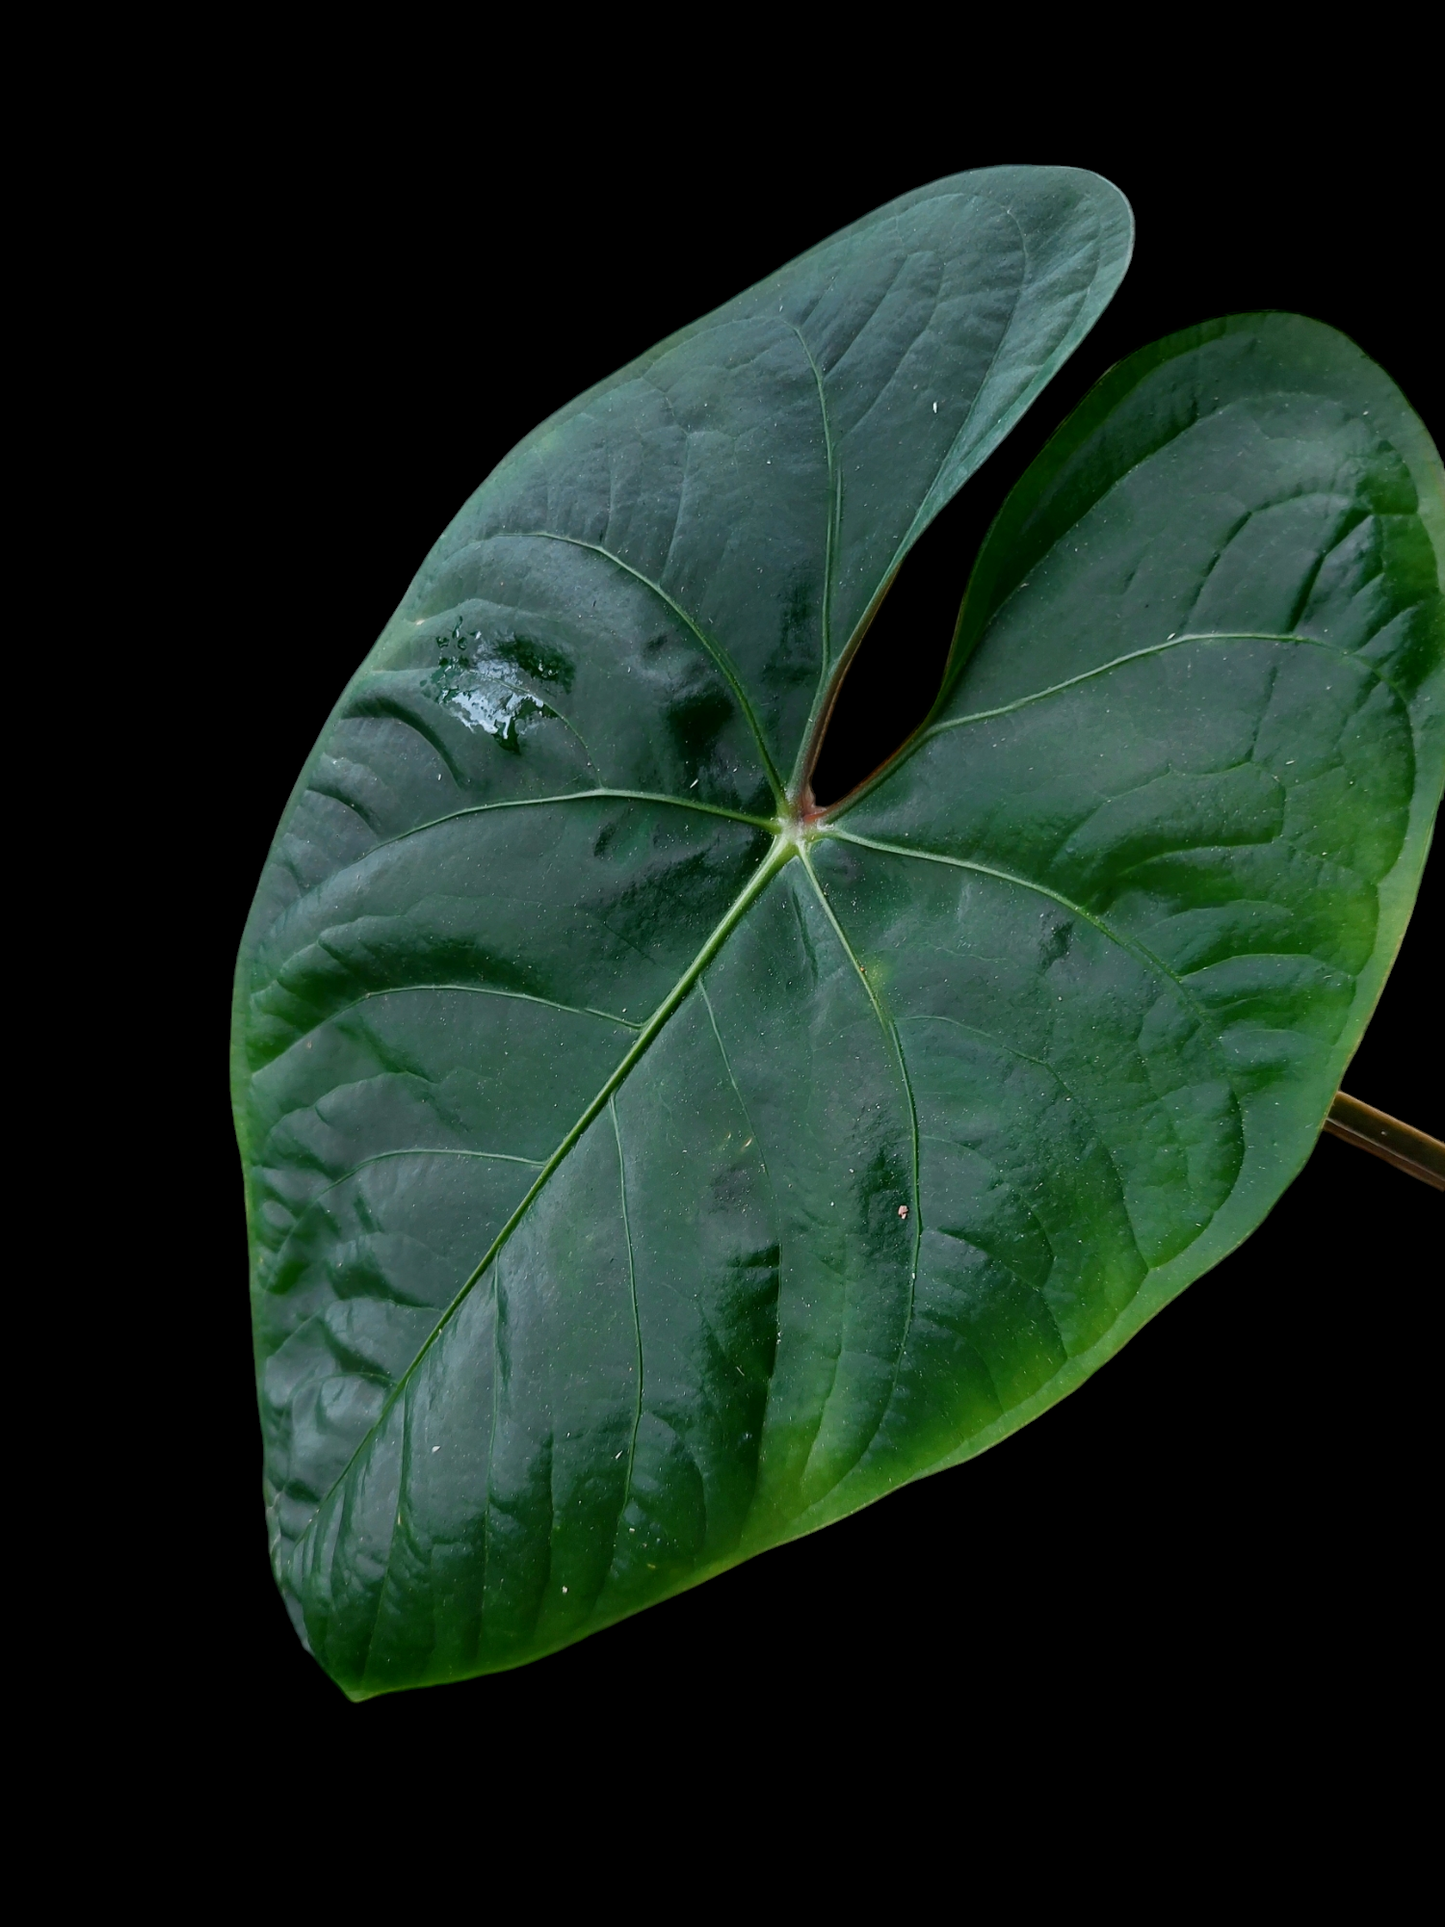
(642, 1171)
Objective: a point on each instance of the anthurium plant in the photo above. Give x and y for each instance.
(646, 1165)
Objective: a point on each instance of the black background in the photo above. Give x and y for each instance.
(1221, 1532)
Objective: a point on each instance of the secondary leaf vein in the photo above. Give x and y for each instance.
(715, 649)
(1137, 950)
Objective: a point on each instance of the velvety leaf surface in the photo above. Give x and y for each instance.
(641, 1173)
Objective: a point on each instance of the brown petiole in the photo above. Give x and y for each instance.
(1386, 1137)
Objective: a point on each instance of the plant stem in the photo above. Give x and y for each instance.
(1386, 1137)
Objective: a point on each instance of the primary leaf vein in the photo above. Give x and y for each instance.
(835, 504)
(636, 1315)
(890, 1032)
(780, 854)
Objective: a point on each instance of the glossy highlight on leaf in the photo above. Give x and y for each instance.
(644, 1168)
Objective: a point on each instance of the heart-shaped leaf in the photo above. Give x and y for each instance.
(643, 1168)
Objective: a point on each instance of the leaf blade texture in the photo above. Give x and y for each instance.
(633, 1187)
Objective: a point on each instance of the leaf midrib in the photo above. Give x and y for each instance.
(781, 853)
(890, 1032)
